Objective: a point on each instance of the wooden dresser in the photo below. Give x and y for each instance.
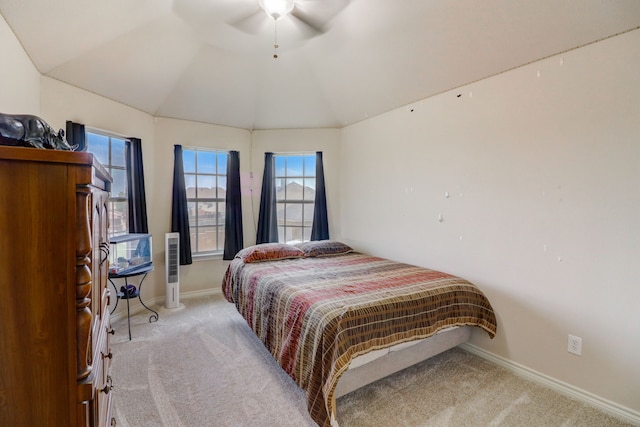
(54, 315)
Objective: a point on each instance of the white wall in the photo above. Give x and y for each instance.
(19, 79)
(61, 102)
(536, 175)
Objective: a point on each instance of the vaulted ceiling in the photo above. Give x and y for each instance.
(339, 61)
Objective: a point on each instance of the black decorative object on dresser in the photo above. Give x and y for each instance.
(31, 131)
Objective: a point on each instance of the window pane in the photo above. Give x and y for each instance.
(308, 214)
(207, 182)
(280, 213)
(281, 184)
(310, 183)
(221, 237)
(222, 185)
(310, 165)
(222, 163)
(191, 207)
(222, 211)
(189, 161)
(119, 186)
(117, 152)
(194, 239)
(207, 214)
(206, 162)
(289, 234)
(190, 185)
(119, 218)
(306, 235)
(280, 165)
(309, 189)
(293, 214)
(294, 165)
(295, 235)
(98, 145)
(207, 239)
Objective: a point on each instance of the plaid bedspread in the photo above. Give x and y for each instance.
(315, 314)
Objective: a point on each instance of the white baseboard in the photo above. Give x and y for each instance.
(618, 411)
(202, 293)
(155, 303)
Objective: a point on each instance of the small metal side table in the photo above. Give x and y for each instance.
(124, 295)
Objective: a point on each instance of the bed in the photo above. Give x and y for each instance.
(320, 308)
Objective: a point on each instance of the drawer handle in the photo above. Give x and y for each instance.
(112, 331)
(107, 356)
(107, 388)
(104, 249)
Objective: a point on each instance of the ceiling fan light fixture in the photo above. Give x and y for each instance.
(276, 8)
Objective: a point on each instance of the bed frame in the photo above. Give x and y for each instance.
(399, 357)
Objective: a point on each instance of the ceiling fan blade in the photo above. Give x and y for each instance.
(317, 14)
(254, 23)
(308, 28)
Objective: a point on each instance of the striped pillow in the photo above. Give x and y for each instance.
(321, 248)
(269, 252)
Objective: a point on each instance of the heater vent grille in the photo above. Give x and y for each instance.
(172, 269)
(172, 258)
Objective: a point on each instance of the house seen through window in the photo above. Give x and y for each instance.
(205, 179)
(110, 152)
(295, 196)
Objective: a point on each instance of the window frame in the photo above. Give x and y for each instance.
(304, 230)
(219, 225)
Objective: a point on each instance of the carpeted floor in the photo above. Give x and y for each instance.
(202, 366)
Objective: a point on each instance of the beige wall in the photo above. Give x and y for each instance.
(536, 175)
(536, 179)
(19, 79)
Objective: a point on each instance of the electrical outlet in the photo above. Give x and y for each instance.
(575, 345)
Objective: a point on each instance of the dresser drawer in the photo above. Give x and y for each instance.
(101, 408)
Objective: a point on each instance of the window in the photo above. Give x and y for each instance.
(110, 152)
(295, 196)
(205, 179)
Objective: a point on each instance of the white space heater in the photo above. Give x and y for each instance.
(172, 269)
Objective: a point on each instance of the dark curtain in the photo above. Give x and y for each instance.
(233, 238)
(320, 228)
(179, 208)
(268, 216)
(75, 135)
(135, 186)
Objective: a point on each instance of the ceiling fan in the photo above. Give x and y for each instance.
(310, 17)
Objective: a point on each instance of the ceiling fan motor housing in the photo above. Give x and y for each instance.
(276, 8)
